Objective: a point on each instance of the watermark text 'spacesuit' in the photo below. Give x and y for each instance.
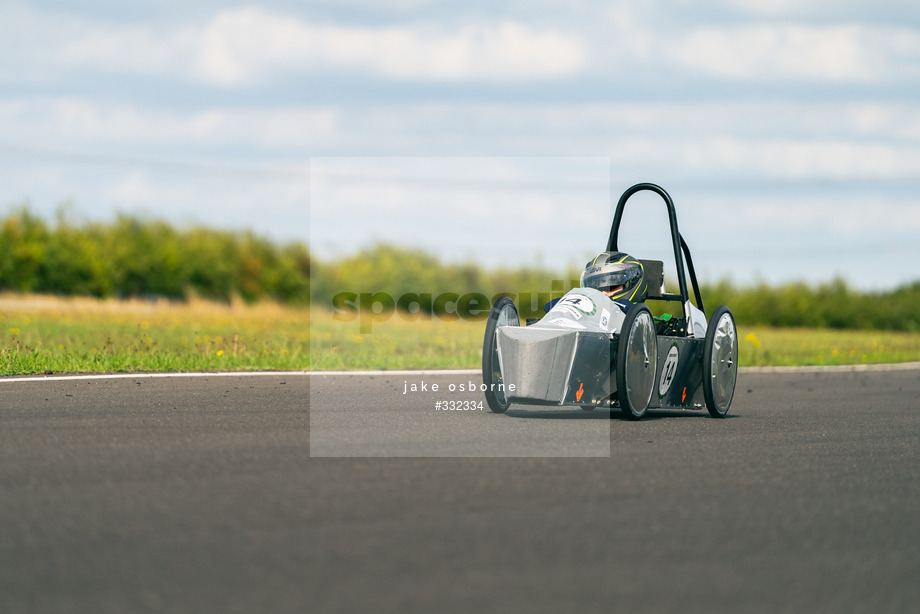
(373, 307)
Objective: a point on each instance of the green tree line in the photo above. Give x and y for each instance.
(138, 257)
(827, 305)
(399, 271)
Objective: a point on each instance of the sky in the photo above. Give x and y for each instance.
(500, 132)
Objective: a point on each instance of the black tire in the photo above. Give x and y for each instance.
(637, 361)
(503, 313)
(720, 362)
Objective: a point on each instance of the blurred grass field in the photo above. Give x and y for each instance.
(41, 334)
(82, 335)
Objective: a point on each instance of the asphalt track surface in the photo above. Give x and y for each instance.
(200, 494)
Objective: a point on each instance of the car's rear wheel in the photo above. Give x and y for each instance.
(720, 362)
(637, 361)
(503, 313)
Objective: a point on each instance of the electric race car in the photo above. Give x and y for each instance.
(600, 345)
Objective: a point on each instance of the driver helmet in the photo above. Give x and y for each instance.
(612, 269)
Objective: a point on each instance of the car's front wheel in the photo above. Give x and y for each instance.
(637, 361)
(503, 313)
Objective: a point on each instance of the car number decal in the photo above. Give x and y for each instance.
(668, 371)
(580, 302)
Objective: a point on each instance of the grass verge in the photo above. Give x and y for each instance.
(65, 335)
(433, 343)
(763, 346)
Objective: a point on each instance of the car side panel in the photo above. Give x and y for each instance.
(679, 374)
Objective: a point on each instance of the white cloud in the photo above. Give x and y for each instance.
(490, 209)
(832, 53)
(790, 141)
(91, 123)
(809, 9)
(788, 159)
(850, 219)
(476, 185)
(254, 45)
(133, 49)
(250, 45)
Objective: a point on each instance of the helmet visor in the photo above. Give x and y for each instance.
(606, 275)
